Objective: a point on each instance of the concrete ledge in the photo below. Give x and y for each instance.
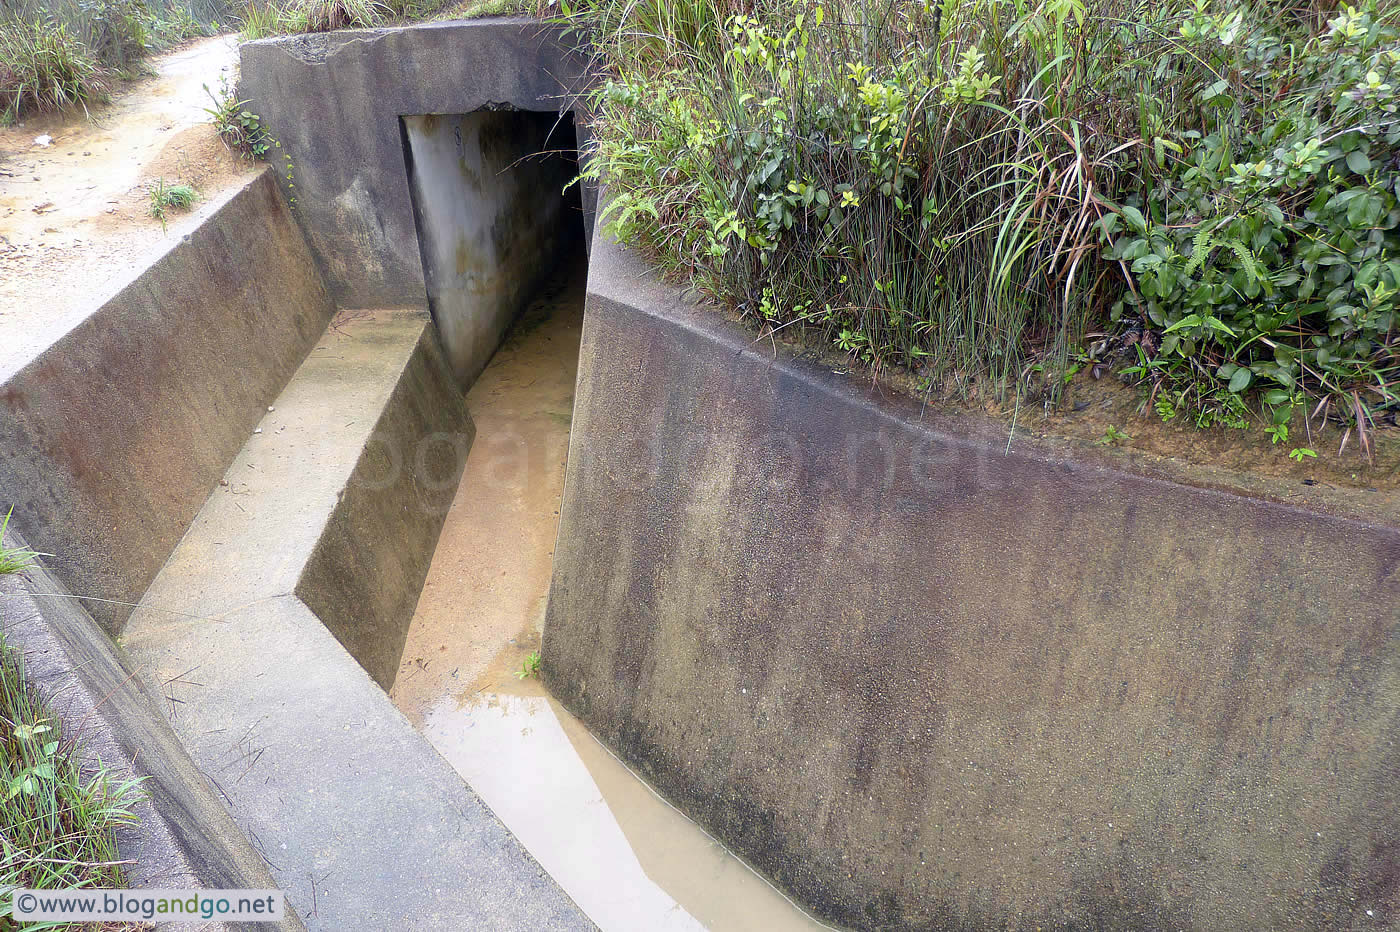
(112, 438)
(924, 684)
(366, 571)
(333, 510)
(334, 100)
(186, 837)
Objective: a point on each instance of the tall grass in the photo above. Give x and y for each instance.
(926, 185)
(909, 181)
(262, 18)
(61, 53)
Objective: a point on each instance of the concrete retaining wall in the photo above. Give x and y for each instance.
(926, 684)
(491, 219)
(334, 101)
(111, 439)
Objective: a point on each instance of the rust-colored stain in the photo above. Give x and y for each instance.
(13, 398)
(463, 260)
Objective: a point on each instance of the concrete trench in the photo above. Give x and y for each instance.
(391, 443)
(265, 603)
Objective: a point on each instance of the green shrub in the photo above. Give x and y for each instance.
(118, 31)
(1267, 254)
(964, 188)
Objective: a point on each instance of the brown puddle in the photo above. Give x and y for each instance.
(627, 857)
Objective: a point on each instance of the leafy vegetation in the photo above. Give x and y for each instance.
(60, 53)
(57, 818)
(970, 189)
(529, 667)
(238, 126)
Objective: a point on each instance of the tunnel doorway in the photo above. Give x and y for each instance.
(496, 216)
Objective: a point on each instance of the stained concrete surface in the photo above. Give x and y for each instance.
(489, 203)
(626, 857)
(924, 683)
(363, 825)
(490, 573)
(114, 435)
(363, 577)
(334, 101)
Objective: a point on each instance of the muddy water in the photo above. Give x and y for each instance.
(626, 856)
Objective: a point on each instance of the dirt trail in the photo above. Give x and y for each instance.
(74, 215)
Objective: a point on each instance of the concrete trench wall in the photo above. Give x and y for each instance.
(926, 684)
(112, 438)
(920, 682)
(491, 219)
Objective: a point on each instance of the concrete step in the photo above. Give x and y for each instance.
(279, 618)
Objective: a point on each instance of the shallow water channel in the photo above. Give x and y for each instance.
(626, 856)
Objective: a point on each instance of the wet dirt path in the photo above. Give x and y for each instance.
(630, 860)
(75, 214)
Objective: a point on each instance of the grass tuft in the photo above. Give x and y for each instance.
(168, 197)
(45, 67)
(13, 560)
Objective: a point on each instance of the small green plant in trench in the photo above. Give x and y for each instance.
(530, 666)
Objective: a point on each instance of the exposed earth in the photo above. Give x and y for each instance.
(75, 213)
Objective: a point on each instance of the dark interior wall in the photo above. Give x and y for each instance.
(492, 218)
(334, 101)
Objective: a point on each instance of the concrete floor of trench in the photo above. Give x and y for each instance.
(628, 858)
